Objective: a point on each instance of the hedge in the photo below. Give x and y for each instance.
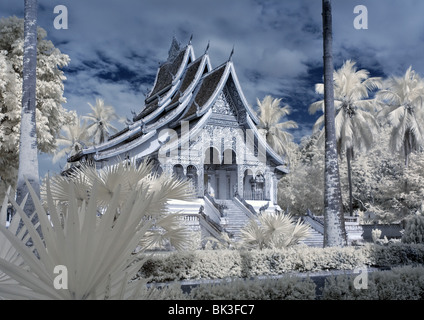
(401, 283)
(219, 264)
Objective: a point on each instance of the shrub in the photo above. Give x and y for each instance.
(169, 292)
(284, 288)
(395, 254)
(375, 234)
(403, 283)
(219, 264)
(207, 264)
(414, 230)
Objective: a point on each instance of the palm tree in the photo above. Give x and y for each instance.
(270, 115)
(75, 138)
(334, 229)
(94, 241)
(403, 98)
(100, 127)
(28, 156)
(273, 230)
(355, 126)
(129, 177)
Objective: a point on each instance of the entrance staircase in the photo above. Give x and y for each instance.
(315, 239)
(232, 215)
(316, 230)
(234, 218)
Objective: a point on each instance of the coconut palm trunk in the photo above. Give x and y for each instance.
(407, 146)
(334, 230)
(349, 157)
(28, 157)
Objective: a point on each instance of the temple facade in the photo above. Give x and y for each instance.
(197, 124)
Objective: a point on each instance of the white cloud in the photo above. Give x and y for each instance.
(277, 43)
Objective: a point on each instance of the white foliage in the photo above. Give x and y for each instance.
(355, 123)
(99, 121)
(95, 243)
(273, 230)
(401, 104)
(50, 115)
(270, 115)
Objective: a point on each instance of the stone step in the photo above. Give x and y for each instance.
(315, 239)
(234, 218)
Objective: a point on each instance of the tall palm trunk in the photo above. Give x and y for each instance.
(407, 148)
(349, 156)
(407, 145)
(334, 229)
(28, 157)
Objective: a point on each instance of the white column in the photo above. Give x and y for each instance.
(200, 181)
(240, 176)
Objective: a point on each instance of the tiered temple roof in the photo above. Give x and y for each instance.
(185, 89)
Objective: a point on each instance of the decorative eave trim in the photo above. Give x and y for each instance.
(188, 54)
(161, 106)
(125, 148)
(110, 143)
(176, 112)
(251, 113)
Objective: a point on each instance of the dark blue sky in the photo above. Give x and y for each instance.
(115, 46)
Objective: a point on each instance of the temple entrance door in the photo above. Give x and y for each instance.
(211, 161)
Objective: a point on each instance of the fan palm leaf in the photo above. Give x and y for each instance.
(129, 176)
(273, 230)
(97, 250)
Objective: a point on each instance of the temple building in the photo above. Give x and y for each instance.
(196, 123)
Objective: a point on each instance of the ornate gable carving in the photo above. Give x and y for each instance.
(222, 106)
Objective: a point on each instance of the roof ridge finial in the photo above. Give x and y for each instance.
(207, 47)
(174, 50)
(231, 54)
(191, 38)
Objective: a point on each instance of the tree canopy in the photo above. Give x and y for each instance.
(50, 114)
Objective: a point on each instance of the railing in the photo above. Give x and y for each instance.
(254, 195)
(353, 229)
(243, 205)
(202, 220)
(314, 222)
(351, 220)
(219, 207)
(211, 210)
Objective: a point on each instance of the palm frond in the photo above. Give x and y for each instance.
(94, 239)
(273, 230)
